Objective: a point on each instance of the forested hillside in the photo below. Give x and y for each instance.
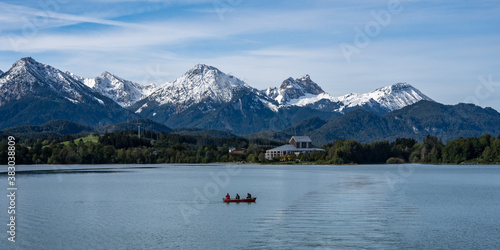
(125, 147)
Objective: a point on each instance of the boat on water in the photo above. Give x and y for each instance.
(240, 200)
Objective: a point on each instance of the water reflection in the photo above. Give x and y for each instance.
(353, 211)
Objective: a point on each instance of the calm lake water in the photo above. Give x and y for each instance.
(304, 207)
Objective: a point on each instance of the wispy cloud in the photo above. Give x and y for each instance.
(128, 36)
(434, 45)
(41, 15)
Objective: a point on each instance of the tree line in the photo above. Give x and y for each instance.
(125, 147)
(482, 150)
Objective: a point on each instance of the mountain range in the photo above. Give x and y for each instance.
(205, 97)
(416, 121)
(123, 92)
(32, 93)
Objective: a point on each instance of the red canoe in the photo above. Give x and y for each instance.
(240, 200)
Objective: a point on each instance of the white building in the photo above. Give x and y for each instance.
(298, 145)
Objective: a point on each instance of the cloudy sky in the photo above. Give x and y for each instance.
(448, 49)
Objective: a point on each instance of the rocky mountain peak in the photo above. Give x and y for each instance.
(24, 65)
(122, 91)
(400, 86)
(293, 89)
(388, 98)
(310, 86)
(106, 74)
(27, 77)
(403, 88)
(202, 83)
(202, 68)
(202, 74)
(25, 61)
(27, 71)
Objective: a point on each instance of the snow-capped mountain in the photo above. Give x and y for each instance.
(204, 97)
(391, 98)
(200, 84)
(29, 77)
(382, 100)
(1, 72)
(122, 91)
(148, 89)
(294, 89)
(208, 98)
(34, 93)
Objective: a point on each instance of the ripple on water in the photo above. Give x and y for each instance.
(349, 213)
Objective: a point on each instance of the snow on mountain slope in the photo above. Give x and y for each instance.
(292, 89)
(304, 92)
(29, 77)
(122, 91)
(391, 98)
(200, 84)
(32, 93)
(309, 99)
(148, 89)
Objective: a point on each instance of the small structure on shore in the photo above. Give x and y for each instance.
(297, 145)
(233, 150)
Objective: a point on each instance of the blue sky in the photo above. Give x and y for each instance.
(450, 50)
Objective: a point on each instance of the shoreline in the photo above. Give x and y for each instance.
(35, 169)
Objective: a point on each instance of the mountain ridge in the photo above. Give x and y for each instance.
(293, 89)
(29, 77)
(447, 122)
(122, 91)
(204, 98)
(32, 93)
(405, 94)
(201, 83)
(50, 128)
(207, 82)
(416, 121)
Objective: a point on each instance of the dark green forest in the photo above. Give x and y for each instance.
(125, 147)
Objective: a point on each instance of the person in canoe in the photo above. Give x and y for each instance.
(249, 196)
(237, 196)
(228, 197)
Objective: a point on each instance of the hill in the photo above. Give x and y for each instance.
(447, 122)
(52, 128)
(143, 123)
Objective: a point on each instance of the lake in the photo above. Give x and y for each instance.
(303, 207)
